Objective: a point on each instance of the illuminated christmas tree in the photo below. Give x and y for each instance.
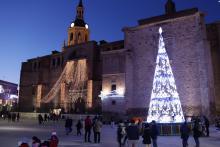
(165, 106)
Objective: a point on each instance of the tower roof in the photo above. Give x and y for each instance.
(170, 7)
(79, 22)
(80, 3)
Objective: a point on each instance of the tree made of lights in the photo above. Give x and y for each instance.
(165, 106)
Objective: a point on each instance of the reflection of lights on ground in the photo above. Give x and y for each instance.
(10, 128)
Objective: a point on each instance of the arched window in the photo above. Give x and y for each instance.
(79, 38)
(71, 36)
(86, 38)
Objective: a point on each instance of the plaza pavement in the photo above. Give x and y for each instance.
(11, 133)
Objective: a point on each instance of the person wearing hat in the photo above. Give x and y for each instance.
(35, 141)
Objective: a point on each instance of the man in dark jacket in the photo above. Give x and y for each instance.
(68, 125)
(88, 127)
(206, 125)
(154, 133)
(197, 132)
(184, 130)
(132, 134)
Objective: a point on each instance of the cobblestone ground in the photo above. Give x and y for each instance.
(11, 133)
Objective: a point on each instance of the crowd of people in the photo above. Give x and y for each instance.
(36, 142)
(48, 117)
(89, 124)
(128, 132)
(10, 116)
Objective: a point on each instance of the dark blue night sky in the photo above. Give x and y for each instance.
(31, 28)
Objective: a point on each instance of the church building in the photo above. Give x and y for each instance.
(117, 77)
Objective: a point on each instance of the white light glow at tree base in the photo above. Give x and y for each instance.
(165, 106)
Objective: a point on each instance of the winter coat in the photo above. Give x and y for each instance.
(154, 132)
(54, 141)
(97, 126)
(119, 133)
(184, 130)
(24, 145)
(197, 132)
(68, 123)
(88, 123)
(206, 122)
(146, 136)
(132, 132)
(79, 125)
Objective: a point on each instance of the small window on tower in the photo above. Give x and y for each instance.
(71, 36)
(79, 38)
(86, 38)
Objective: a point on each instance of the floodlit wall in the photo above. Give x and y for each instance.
(189, 54)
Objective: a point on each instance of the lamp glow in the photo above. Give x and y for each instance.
(87, 26)
(72, 25)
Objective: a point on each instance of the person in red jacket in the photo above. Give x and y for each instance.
(24, 145)
(88, 126)
(54, 140)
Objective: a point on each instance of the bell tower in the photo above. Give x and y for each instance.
(78, 31)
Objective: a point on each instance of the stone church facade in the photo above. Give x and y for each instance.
(120, 73)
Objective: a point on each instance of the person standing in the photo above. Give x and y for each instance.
(197, 132)
(119, 134)
(154, 133)
(45, 117)
(79, 127)
(88, 127)
(184, 131)
(18, 117)
(146, 135)
(40, 119)
(112, 122)
(132, 134)
(97, 130)
(35, 141)
(206, 121)
(9, 116)
(13, 117)
(54, 141)
(68, 125)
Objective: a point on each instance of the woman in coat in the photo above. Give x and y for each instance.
(146, 135)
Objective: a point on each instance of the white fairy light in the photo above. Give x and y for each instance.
(165, 106)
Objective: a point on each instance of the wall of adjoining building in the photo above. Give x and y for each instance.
(213, 35)
(113, 75)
